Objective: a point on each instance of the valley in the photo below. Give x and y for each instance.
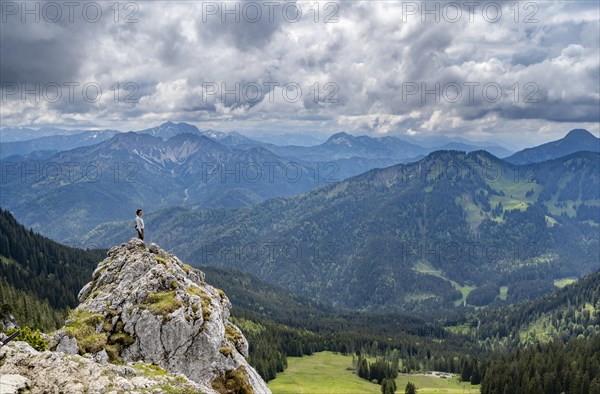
(328, 373)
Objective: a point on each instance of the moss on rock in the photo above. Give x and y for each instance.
(226, 350)
(162, 303)
(233, 334)
(233, 381)
(81, 325)
(161, 260)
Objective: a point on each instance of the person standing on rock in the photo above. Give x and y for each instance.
(139, 223)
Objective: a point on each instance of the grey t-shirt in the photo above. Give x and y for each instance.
(139, 223)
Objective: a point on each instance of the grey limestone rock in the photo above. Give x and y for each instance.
(53, 372)
(13, 384)
(144, 304)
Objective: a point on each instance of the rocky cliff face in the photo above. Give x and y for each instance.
(144, 305)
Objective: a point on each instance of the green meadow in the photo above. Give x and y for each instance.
(321, 373)
(330, 373)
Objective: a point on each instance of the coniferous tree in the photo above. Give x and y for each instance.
(476, 374)
(466, 371)
(363, 368)
(388, 386)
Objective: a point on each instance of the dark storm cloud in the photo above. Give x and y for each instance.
(39, 54)
(48, 41)
(249, 25)
(35, 61)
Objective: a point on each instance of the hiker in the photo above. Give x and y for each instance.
(139, 224)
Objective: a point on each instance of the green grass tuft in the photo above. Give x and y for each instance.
(232, 334)
(161, 259)
(234, 381)
(226, 350)
(81, 325)
(149, 370)
(162, 303)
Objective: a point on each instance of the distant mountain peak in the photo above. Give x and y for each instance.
(340, 135)
(133, 136)
(341, 138)
(576, 140)
(579, 133)
(215, 134)
(170, 129)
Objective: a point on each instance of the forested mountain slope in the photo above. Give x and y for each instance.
(410, 236)
(39, 276)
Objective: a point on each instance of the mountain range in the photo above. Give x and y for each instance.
(258, 299)
(66, 192)
(169, 129)
(388, 149)
(48, 183)
(410, 236)
(373, 152)
(108, 181)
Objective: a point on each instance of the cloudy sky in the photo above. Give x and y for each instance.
(522, 73)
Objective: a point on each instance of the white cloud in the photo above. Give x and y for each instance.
(368, 55)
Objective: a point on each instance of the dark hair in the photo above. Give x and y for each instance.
(138, 211)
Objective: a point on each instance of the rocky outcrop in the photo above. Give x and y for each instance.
(144, 305)
(25, 370)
